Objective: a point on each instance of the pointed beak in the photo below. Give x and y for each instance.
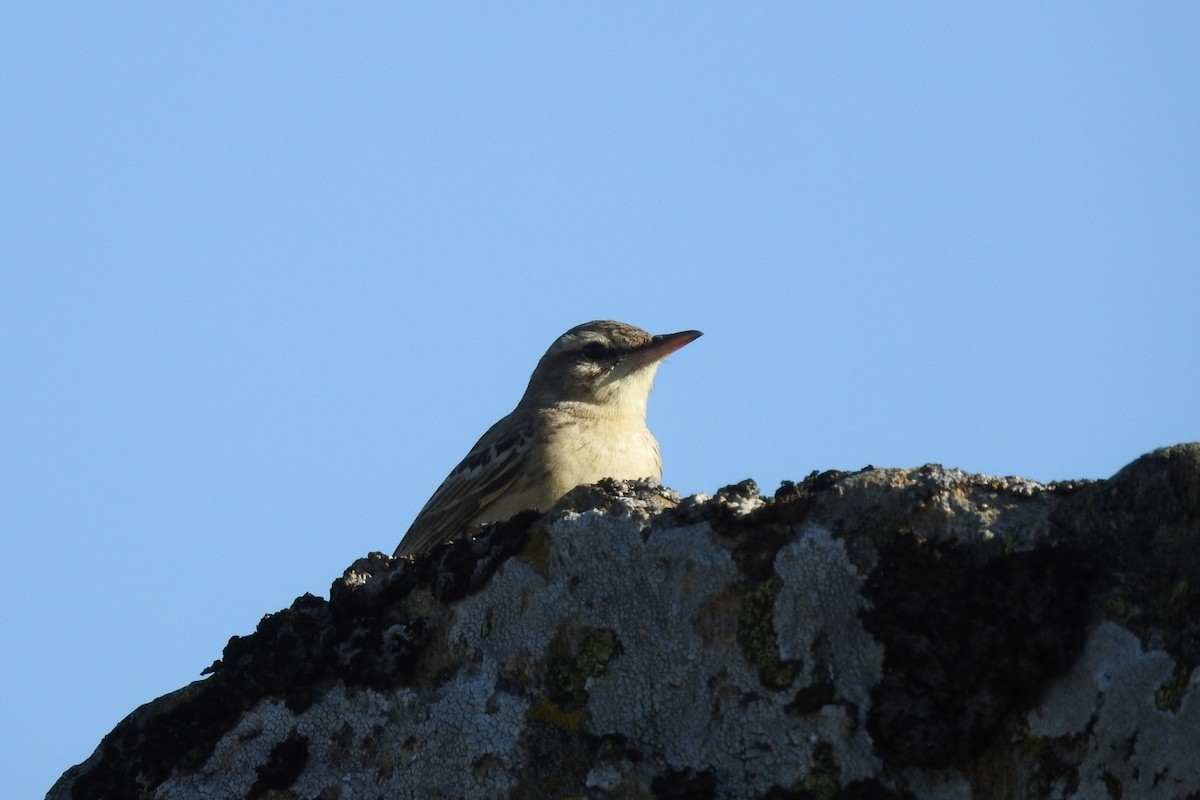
(660, 347)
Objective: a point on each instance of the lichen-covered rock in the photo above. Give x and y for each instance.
(916, 633)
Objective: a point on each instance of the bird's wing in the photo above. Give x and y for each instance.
(484, 475)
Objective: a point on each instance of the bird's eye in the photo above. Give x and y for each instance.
(595, 351)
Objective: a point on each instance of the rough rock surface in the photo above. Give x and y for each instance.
(886, 633)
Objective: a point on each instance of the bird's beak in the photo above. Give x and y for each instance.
(660, 347)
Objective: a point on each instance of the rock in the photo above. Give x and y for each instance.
(885, 633)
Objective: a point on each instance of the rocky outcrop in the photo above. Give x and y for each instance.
(886, 633)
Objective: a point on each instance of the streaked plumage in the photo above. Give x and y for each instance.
(582, 418)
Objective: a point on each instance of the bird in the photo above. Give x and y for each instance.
(582, 418)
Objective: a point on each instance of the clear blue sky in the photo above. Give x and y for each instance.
(270, 269)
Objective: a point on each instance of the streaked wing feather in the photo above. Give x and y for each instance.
(485, 474)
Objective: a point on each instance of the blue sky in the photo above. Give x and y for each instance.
(270, 269)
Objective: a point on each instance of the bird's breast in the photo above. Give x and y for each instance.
(586, 450)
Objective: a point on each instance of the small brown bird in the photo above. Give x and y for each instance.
(582, 418)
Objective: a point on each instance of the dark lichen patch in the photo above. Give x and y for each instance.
(823, 781)
(288, 656)
(871, 790)
(379, 638)
(283, 765)
(756, 635)
(557, 731)
(821, 690)
(755, 555)
(967, 641)
(180, 729)
(793, 501)
(685, 784)
(1112, 786)
(462, 568)
(1157, 598)
(757, 536)
(1047, 766)
(811, 698)
(563, 758)
(291, 640)
(1145, 521)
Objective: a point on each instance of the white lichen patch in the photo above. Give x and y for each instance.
(817, 624)
(231, 770)
(664, 693)
(680, 689)
(1110, 694)
(741, 504)
(400, 744)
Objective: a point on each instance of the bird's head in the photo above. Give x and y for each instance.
(604, 363)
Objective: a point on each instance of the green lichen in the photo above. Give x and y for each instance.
(1033, 746)
(597, 649)
(551, 713)
(820, 785)
(756, 635)
(1169, 696)
(568, 677)
(579, 655)
(1179, 591)
(536, 551)
(823, 781)
(1117, 605)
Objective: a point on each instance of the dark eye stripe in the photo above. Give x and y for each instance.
(595, 351)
